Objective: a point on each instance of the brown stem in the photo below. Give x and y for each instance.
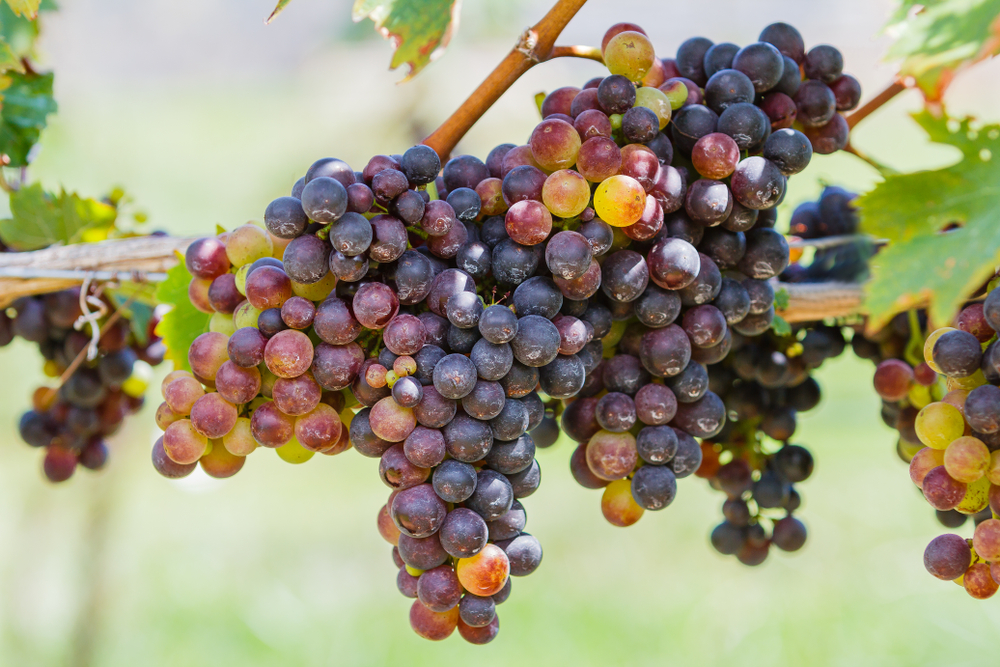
(534, 46)
(893, 89)
(577, 51)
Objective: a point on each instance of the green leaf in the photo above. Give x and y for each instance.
(182, 323)
(20, 32)
(418, 29)
(781, 327)
(8, 61)
(27, 8)
(939, 37)
(39, 219)
(781, 299)
(27, 102)
(924, 262)
(280, 7)
(137, 313)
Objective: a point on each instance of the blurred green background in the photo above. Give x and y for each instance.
(204, 115)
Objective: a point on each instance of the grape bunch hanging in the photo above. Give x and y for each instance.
(440, 319)
(71, 421)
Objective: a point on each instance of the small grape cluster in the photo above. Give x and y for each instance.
(72, 422)
(947, 410)
(764, 383)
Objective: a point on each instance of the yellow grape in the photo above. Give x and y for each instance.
(919, 395)
(619, 201)
(279, 246)
(656, 101)
(317, 291)
(293, 452)
(907, 450)
(565, 193)
(629, 54)
(993, 471)
(969, 383)
(618, 505)
(248, 243)
(977, 497)
(929, 347)
(939, 424)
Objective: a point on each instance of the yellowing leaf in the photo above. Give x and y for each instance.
(8, 61)
(418, 29)
(27, 8)
(182, 323)
(39, 219)
(942, 226)
(939, 37)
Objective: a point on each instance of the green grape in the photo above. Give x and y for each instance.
(966, 459)
(565, 193)
(656, 101)
(222, 323)
(618, 505)
(293, 452)
(619, 201)
(676, 92)
(939, 424)
(246, 315)
(616, 121)
(248, 243)
(977, 497)
(241, 278)
(629, 54)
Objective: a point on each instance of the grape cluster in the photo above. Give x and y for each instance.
(944, 399)
(441, 319)
(71, 422)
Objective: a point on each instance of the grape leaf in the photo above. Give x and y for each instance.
(944, 240)
(8, 61)
(20, 32)
(280, 7)
(27, 102)
(27, 8)
(40, 219)
(183, 323)
(418, 29)
(939, 37)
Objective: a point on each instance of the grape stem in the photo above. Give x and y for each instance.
(889, 92)
(536, 45)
